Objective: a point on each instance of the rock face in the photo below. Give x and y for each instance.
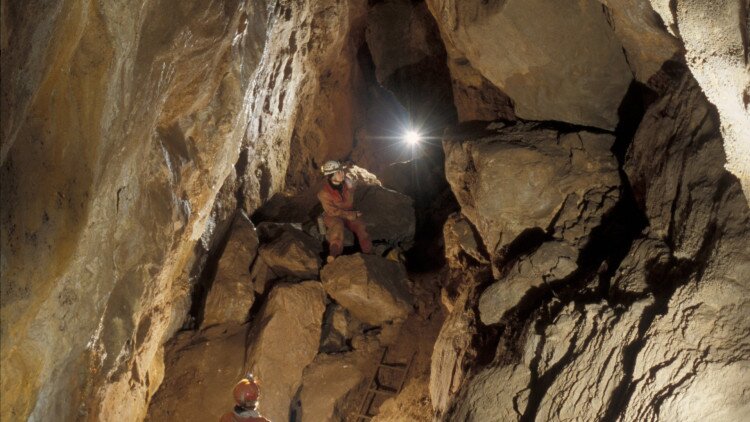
(212, 360)
(294, 312)
(519, 177)
(327, 383)
(373, 289)
(120, 123)
(452, 354)
(643, 268)
(518, 47)
(232, 292)
(667, 344)
(461, 237)
(388, 215)
(494, 395)
(550, 262)
(715, 38)
(292, 253)
(645, 40)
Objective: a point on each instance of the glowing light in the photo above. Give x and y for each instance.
(412, 137)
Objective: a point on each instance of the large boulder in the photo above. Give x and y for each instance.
(645, 40)
(290, 251)
(328, 385)
(283, 341)
(232, 292)
(373, 289)
(556, 60)
(550, 262)
(511, 178)
(201, 370)
(388, 215)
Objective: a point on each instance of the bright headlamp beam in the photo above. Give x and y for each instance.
(412, 137)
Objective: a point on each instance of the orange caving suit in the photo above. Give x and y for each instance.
(338, 213)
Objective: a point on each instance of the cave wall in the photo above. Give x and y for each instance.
(655, 333)
(120, 124)
(131, 134)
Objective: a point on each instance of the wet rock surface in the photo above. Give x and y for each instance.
(373, 289)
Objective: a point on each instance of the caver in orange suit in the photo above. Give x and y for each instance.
(246, 394)
(339, 213)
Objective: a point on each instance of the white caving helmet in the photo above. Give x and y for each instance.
(330, 167)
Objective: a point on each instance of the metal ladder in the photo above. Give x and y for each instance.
(375, 389)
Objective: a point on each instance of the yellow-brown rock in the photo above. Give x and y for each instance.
(120, 124)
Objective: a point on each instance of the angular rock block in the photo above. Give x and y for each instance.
(283, 341)
(327, 387)
(201, 369)
(388, 215)
(461, 237)
(557, 60)
(373, 289)
(511, 178)
(232, 292)
(290, 251)
(452, 355)
(551, 261)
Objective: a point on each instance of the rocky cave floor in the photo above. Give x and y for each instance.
(404, 312)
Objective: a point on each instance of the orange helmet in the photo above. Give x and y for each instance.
(246, 392)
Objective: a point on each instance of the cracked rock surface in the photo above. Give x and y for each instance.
(511, 178)
(669, 342)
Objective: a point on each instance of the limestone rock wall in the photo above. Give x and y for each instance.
(646, 335)
(132, 133)
(716, 38)
(120, 125)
